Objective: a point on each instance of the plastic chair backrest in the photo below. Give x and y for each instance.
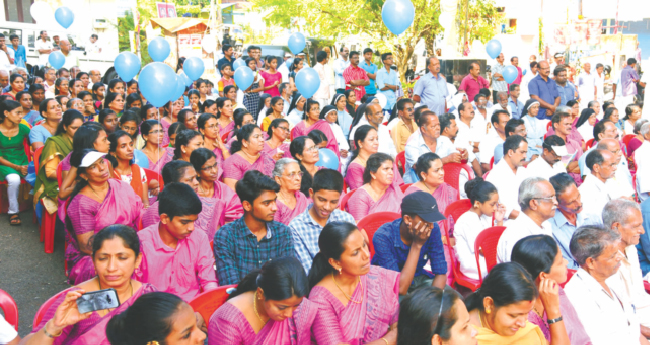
(488, 240)
(41, 311)
(405, 186)
(454, 211)
(37, 158)
(452, 171)
(208, 302)
(627, 138)
(152, 175)
(10, 309)
(548, 125)
(344, 200)
(401, 162)
(28, 150)
(372, 222)
(590, 143)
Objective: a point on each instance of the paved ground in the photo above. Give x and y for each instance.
(28, 274)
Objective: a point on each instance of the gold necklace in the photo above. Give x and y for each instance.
(282, 198)
(251, 156)
(255, 310)
(346, 295)
(91, 188)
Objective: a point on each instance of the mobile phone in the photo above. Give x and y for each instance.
(98, 300)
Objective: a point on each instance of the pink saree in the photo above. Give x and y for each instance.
(150, 216)
(301, 129)
(224, 130)
(236, 166)
(233, 207)
(93, 329)
(361, 204)
(272, 152)
(121, 206)
(217, 152)
(165, 128)
(354, 176)
(360, 323)
(211, 207)
(284, 214)
(167, 156)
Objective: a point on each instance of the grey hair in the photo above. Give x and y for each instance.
(589, 241)
(18, 69)
(281, 164)
(617, 211)
(645, 128)
(502, 93)
(528, 190)
(592, 103)
(563, 109)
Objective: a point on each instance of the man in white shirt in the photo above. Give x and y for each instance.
(642, 157)
(71, 60)
(6, 55)
(284, 68)
(322, 95)
(620, 185)
(482, 116)
(501, 103)
(607, 316)
(449, 129)
(549, 163)
(538, 203)
(499, 119)
(93, 46)
(602, 130)
(624, 217)
(593, 190)
(95, 77)
(467, 128)
(44, 48)
(587, 85)
(340, 65)
(374, 116)
(508, 174)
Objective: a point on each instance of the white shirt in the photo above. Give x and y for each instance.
(642, 155)
(7, 332)
(386, 144)
(622, 184)
(487, 145)
(600, 85)
(608, 319)
(628, 127)
(284, 71)
(594, 195)
(466, 230)
(471, 133)
(93, 48)
(628, 281)
(507, 183)
(323, 91)
(516, 230)
(524, 95)
(540, 168)
(4, 61)
(40, 45)
(295, 116)
(340, 138)
(586, 84)
(416, 147)
(71, 60)
(339, 66)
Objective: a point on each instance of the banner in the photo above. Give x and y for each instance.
(166, 10)
(582, 34)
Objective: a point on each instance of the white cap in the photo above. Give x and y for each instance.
(90, 158)
(301, 53)
(560, 150)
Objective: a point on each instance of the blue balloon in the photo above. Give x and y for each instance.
(510, 73)
(398, 15)
(327, 158)
(157, 83)
(187, 80)
(194, 67)
(64, 16)
(493, 48)
(524, 72)
(307, 82)
(179, 88)
(159, 49)
(244, 77)
(296, 42)
(127, 65)
(238, 63)
(56, 59)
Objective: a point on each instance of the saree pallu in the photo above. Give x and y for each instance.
(284, 214)
(165, 128)
(361, 204)
(529, 335)
(211, 208)
(217, 152)
(236, 166)
(91, 331)
(354, 176)
(167, 156)
(223, 130)
(272, 152)
(46, 188)
(233, 209)
(301, 129)
(360, 323)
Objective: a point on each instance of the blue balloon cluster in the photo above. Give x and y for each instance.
(127, 65)
(158, 83)
(159, 49)
(296, 42)
(194, 68)
(398, 15)
(238, 63)
(64, 16)
(307, 82)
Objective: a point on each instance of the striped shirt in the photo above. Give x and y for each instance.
(355, 73)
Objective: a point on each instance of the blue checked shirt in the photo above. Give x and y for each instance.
(237, 251)
(305, 232)
(391, 252)
(563, 231)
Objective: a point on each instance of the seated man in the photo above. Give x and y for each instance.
(549, 163)
(568, 216)
(406, 244)
(486, 149)
(508, 174)
(175, 258)
(513, 126)
(620, 185)
(624, 217)
(562, 126)
(595, 194)
(602, 130)
(174, 171)
(325, 192)
(538, 204)
(642, 156)
(449, 129)
(608, 317)
(246, 244)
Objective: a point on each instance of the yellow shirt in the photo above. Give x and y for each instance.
(400, 134)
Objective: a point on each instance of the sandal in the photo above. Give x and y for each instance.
(14, 220)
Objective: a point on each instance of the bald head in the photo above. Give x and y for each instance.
(611, 145)
(4, 78)
(65, 46)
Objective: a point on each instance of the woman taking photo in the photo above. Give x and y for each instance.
(275, 146)
(367, 142)
(115, 102)
(187, 118)
(296, 109)
(345, 118)
(378, 193)
(52, 113)
(331, 115)
(152, 134)
(274, 112)
(312, 121)
(120, 155)
(225, 108)
(207, 124)
(75, 86)
(541, 257)
(363, 299)
(96, 202)
(290, 202)
(535, 128)
(252, 94)
(88, 106)
(16, 84)
(270, 307)
(272, 78)
(247, 154)
(305, 152)
(13, 159)
(30, 116)
(114, 254)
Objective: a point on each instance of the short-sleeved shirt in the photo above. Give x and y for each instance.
(433, 92)
(383, 78)
(472, 86)
(224, 61)
(355, 73)
(515, 107)
(20, 55)
(546, 90)
(39, 134)
(567, 92)
(371, 68)
(391, 252)
(498, 85)
(40, 45)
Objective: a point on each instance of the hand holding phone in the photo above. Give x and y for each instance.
(98, 300)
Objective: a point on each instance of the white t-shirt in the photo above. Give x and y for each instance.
(93, 48)
(43, 58)
(7, 332)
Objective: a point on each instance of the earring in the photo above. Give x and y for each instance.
(488, 310)
(339, 269)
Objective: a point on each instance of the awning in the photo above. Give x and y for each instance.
(178, 24)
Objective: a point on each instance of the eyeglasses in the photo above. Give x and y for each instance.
(211, 126)
(157, 131)
(311, 149)
(552, 198)
(294, 174)
(284, 129)
(212, 167)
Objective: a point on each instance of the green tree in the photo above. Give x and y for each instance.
(124, 25)
(483, 21)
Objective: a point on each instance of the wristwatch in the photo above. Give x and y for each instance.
(550, 322)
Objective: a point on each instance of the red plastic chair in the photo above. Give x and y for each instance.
(208, 302)
(37, 158)
(45, 306)
(569, 275)
(454, 211)
(372, 222)
(452, 172)
(590, 143)
(152, 175)
(627, 138)
(401, 162)
(488, 240)
(405, 186)
(10, 309)
(646, 286)
(458, 276)
(4, 206)
(344, 200)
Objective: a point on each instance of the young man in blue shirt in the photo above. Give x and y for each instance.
(371, 70)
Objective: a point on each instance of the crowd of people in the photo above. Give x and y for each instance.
(164, 204)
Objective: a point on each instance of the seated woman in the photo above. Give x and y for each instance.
(56, 149)
(499, 309)
(541, 257)
(88, 106)
(51, 111)
(312, 121)
(149, 112)
(13, 159)
(121, 156)
(331, 115)
(170, 116)
(305, 151)
(29, 115)
(75, 103)
(247, 154)
(636, 141)
(429, 315)
(174, 129)
(485, 202)
(194, 97)
(133, 100)
(586, 123)
(75, 86)
(16, 84)
(63, 101)
(263, 105)
(241, 117)
(378, 194)
(209, 106)
(130, 123)
(611, 114)
(225, 122)
(108, 119)
(290, 202)
(535, 128)
(99, 92)
(117, 86)
(275, 146)
(270, 307)
(155, 318)
(363, 299)
(63, 324)
(96, 202)
(207, 124)
(296, 109)
(115, 102)
(432, 180)
(230, 92)
(367, 141)
(151, 133)
(275, 111)
(344, 117)
(38, 95)
(187, 118)
(186, 141)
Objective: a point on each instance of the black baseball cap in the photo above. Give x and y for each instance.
(424, 205)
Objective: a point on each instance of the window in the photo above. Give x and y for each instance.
(18, 11)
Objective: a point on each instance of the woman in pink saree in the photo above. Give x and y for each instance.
(432, 181)
(225, 122)
(207, 125)
(290, 202)
(313, 121)
(246, 154)
(269, 308)
(152, 134)
(276, 146)
(171, 110)
(378, 194)
(62, 323)
(363, 299)
(366, 140)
